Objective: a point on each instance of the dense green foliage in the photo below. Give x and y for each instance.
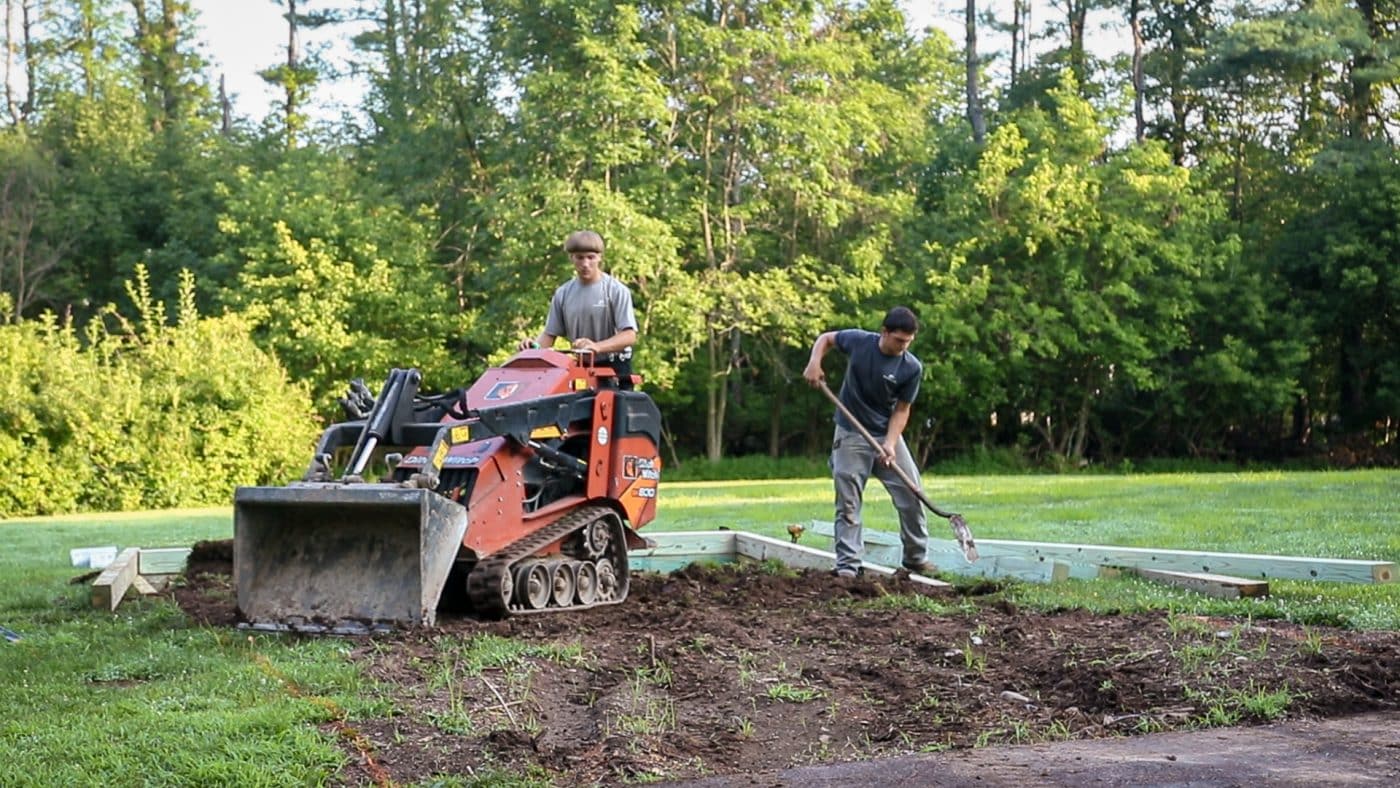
(1211, 274)
(139, 414)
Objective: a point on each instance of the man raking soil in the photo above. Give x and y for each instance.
(882, 379)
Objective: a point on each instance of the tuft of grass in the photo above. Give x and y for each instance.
(1264, 704)
(914, 602)
(792, 693)
(485, 651)
(647, 715)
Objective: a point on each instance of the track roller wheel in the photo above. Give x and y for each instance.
(535, 584)
(587, 583)
(564, 583)
(607, 580)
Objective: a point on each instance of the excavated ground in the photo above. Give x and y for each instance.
(729, 672)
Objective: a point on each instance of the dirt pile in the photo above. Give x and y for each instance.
(739, 670)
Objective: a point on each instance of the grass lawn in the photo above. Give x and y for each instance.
(141, 697)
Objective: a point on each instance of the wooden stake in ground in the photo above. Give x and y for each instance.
(959, 525)
(110, 586)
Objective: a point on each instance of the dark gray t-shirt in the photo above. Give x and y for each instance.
(596, 311)
(874, 381)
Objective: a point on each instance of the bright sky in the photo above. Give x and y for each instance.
(245, 36)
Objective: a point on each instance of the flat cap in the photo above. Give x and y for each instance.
(584, 241)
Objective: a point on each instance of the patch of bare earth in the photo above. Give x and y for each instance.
(716, 671)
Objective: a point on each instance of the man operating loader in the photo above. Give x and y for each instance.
(593, 311)
(881, 382)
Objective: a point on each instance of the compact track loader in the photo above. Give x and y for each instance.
(521, 494)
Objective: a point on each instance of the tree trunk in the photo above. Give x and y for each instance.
(31, 77)
(1353, 398)
(1081, 427)
(170, 98)
(1359, 113)
(1076, 12)
(25, 259)
(1135, 25)
(393, 63)
(1302, 421)
(974, 100)
(289, 103)
(88, 48)
(716, 399)
(775, 418)
(1016, 52)
(11, 103)
(225, 108)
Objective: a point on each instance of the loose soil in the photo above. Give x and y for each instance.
(732, 671)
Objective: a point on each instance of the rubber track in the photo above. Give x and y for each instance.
(484, 597)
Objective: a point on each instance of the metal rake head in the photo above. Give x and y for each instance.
(964, 534)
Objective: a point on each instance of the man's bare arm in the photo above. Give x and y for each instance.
(813, 373)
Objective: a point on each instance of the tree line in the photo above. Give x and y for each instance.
(1185, 249)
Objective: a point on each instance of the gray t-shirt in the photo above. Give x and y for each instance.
(874, 381)
(595, 311)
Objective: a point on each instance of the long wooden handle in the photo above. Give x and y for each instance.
(960, 529)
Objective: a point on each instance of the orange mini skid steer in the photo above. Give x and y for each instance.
(521, 494)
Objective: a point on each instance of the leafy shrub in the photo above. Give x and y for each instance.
(749, 466)
(336, 288)
(985, 460)
(141, 414)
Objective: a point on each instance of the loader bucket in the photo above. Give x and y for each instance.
(342, 558)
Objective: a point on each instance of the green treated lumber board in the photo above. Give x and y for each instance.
(762, 548)
(675, 543)
(997, 556)
(883, 547)
(1221, 586)
(667, 564)
(1341, 570)
(949, 557)
(870, 536)
(110, 586)
(163, 560)
(1084, 560)
(675, 549)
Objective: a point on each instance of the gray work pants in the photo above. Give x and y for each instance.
(853, 460)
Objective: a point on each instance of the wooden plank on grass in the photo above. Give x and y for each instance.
(110, 586)
(1221, 586)
(1084, 560)
(163, 560)
(157, 583)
